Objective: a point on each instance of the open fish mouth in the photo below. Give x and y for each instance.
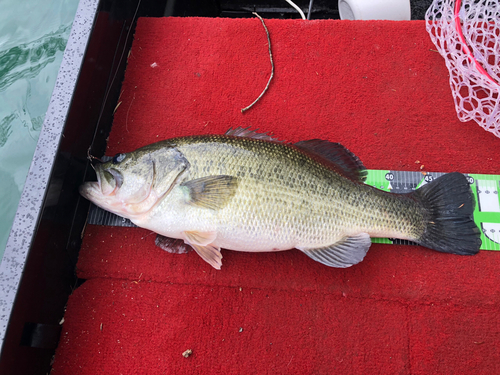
(114, 178)
(109, 180)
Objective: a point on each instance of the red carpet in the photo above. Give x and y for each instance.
(378, 88)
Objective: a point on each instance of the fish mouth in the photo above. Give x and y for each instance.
(89, 190)
(109, 180)
(92, 191)
(113, 178)
(105, 185)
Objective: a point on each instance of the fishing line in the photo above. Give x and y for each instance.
(310, 9)
(90, 157)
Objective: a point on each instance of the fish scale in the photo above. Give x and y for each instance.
(270, 196)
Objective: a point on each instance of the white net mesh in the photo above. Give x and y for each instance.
(467, 34)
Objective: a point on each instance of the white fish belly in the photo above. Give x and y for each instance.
(242, 240)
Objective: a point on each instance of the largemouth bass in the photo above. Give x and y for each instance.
(248, 192)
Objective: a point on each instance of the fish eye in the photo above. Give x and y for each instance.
(118, 158)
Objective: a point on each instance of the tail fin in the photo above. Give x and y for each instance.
(449, 203)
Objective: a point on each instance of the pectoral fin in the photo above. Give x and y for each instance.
(342, 254)
(201, 243)
(212, 192)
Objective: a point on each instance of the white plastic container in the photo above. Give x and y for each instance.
(396, 10)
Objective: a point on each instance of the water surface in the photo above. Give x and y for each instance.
(33, 35)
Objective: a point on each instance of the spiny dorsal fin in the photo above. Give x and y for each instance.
(343, 160)
(248, 133)
(342, 254)
(212, 192)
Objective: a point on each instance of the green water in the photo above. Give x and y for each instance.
(33, 35)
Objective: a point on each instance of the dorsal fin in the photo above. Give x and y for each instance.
(248, 133)
(338, 157)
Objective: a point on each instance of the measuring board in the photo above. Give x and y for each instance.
(484, 187)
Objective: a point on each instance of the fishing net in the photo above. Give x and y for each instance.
(467, 35)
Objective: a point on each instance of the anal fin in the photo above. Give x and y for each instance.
(342, 254)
